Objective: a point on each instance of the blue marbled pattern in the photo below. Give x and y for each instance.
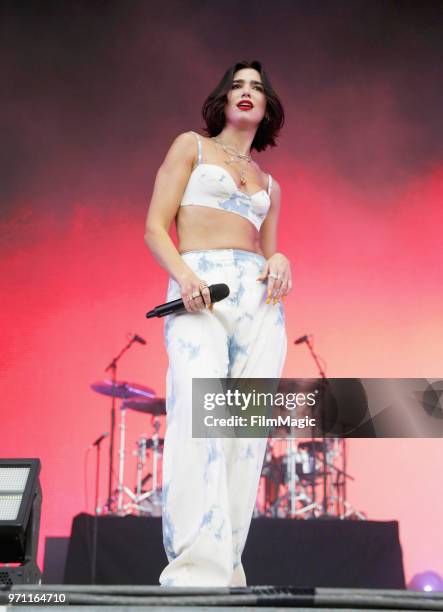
(210, 484)
(168, 525)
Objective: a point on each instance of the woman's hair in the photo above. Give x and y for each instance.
(213, 109)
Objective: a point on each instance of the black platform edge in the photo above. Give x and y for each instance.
(252, 597)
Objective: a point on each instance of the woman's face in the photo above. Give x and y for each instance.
(246, 99)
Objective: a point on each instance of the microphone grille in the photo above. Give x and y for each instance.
(218, 292)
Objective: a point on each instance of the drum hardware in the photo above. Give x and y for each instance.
(150, 502)
(123, 390)
(114, 389)
(321, 388)
(299, 465)
(272, 474)
(121, 453)
(296, 469)
(153, 405)
(349, 512)
(343, 508)
(146, 502)
(141, 462)
(269, 483)
(300, 469)
(156, 407)
(326, 400)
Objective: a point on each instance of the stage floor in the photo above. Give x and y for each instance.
(247, 598)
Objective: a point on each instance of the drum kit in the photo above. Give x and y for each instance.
(305, 478)
(137, 500)
(290, 480)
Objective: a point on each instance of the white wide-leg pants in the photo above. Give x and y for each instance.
(210, 484)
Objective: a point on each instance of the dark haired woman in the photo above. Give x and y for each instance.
(226, 210)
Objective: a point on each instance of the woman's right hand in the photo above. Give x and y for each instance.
(190, 285)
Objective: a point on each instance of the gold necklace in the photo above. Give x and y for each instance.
(236, 158)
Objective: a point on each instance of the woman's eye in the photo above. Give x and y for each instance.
(257, 87)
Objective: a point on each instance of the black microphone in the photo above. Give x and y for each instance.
(302, 339)
(218, 292)
(136, 338)
(99, 439)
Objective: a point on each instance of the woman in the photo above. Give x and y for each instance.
(226, 210)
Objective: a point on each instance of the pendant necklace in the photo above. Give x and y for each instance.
(235, 157)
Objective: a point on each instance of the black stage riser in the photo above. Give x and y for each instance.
(314, 553)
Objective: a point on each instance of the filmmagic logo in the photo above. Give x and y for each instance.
(243, 401)
(255, 420)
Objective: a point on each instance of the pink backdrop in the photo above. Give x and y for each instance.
(365, 285)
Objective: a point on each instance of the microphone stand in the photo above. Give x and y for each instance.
(324, 385)
(113, 367)
(97, 444)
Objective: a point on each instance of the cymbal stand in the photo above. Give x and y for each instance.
(122, 453)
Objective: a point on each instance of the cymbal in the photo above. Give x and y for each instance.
(154, 405)
(123, 390)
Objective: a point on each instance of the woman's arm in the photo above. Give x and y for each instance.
(276, 263)
(268, 231)
(170, 183)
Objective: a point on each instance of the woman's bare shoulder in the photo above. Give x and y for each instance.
(184, 146)
(185, 138)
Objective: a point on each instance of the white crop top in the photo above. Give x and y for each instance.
(213, 186)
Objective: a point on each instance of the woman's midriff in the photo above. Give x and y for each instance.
(200, 228)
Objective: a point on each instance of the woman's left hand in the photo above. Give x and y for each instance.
(278, 271)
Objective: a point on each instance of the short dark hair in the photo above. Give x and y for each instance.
(213, 109)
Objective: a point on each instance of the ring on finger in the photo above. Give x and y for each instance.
(196, 294)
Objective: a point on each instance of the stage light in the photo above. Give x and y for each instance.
(426, 581)
(20, 505)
